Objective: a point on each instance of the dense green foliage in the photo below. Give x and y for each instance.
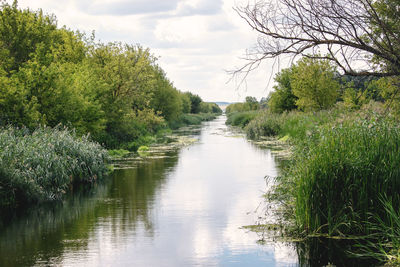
(116, 92)
(283, 99)
(40, 166)
(314, 85)
(241, 119)
(310, 84)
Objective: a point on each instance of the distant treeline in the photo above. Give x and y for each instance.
(116, 92)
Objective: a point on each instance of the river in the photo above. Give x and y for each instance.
(180, 207)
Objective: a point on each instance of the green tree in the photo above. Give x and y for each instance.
(127, 76)
(166, 98)
(314, 84)
(186, 103)
(195, 101)
(283, 99)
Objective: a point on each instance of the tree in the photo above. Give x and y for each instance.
(314, 84)
(251, 103)
(166, 98)
(195, 101)
(283, 99)
(360, 36)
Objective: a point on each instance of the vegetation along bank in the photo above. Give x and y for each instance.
(111, 94)
(343, 177)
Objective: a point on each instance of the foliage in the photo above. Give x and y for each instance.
(341, 175)
(195, 102)
(166, 99)
(250, 104)
(42, 165)
(206, 107)
(314, 84)
(186, 102)
(295, 125)
(118, 153)
(51, 76)
(283, 99)
(388, 89)
(241, 119)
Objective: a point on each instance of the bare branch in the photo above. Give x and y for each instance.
(353, 33)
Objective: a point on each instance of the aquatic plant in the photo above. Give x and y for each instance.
(40, 166)
(341, 173)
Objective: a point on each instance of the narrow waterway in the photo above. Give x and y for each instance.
(184, 207)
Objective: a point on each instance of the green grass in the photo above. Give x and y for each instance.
(41, 166)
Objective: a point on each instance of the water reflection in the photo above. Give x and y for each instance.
(182, 209)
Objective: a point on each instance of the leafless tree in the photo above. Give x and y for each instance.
(361, 36)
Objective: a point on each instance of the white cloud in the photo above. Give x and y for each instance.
(126, 7)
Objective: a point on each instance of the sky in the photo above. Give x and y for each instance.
(196, 41)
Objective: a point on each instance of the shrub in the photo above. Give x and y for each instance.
(241, 119)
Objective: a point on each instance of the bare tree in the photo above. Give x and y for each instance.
(361, 36)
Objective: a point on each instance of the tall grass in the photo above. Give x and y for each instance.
(341, 174)
(40, 166)
(295, 124)
(384, 242)
(345, 162)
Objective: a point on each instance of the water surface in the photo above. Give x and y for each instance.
(183, 207)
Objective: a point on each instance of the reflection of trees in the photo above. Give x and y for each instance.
(44, 233)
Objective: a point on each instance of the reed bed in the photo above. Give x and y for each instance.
(343, 180)
(41, 165)
(342, 173)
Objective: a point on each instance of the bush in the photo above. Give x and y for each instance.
(265, 124)
(241, 119)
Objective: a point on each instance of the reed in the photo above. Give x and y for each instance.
(41, 166)
(342, 172)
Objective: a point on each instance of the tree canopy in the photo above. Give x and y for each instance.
(50, 75)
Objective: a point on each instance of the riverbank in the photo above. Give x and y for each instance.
(343, 177)
(43, 165)
(161, 136)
